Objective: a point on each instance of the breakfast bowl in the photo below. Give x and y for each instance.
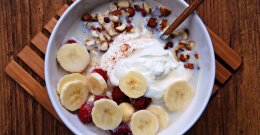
(70, 26)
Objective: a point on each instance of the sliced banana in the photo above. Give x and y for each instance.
(106, 114)
(68, 78)
(133, 84)
(161, 114)
(73, 58)
(96, 84)
(144, 122)
(74, 94)
(178, 96)
(127, 110)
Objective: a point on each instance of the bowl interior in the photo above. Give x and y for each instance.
(185, 118)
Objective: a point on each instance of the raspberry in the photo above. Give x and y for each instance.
(118, 96)
(97, 97)
(70, 41)
(122, 129)
(102, 72)
(84, 113)
(141, 102)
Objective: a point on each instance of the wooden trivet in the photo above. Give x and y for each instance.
(228, 57)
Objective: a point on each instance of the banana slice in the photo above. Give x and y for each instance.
(178, 96)
(144, 122)
(161, 114)
(68, 78)
(96, 84)
(127, 110)
(73, 58)
(133, 84)
(74, 94)
(106, 114)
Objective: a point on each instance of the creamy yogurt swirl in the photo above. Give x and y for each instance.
(150, 59)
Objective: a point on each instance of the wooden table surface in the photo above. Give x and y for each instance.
(235, 110)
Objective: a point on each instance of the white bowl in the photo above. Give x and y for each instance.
(186, 119)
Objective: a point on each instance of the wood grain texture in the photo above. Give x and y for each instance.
(235, 110)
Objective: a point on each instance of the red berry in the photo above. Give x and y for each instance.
(71, 41)
(122, 129)
(118, 96)
(97, 97)
(102, 72)
(141, 102)
(84, 113)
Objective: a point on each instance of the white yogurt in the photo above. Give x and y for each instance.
(149, 58)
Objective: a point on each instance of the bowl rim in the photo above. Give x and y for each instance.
(71, 126)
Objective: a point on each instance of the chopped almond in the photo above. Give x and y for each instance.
(130, 28)
(184, 57)
(112, 7)
(147, 8)
(131, 12)
(123, 4)
(94, 33)
(138, 7)
(121, 28)
(165, 11)
(106, 19)
(115, 19)
(109, 38)
(117, 12)
(90, 42)
(196, 55)
(111, 31)
(163, 24)
(144, 13)
(189, 66)
(152, 22)
(104, 46)
(128, 20)
(86, 17)
(170, 44)
(100, 19)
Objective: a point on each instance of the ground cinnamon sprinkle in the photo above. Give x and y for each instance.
(125, 48)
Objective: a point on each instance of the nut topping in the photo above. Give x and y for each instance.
(138, 7)
(165, 11)
(121, 28)
(163, 24)
(147, 8)
(131, 12)
(117, 12)
(152, 22)
(123, 3)
(130, 29)
(106, 19)
(104, 46)
(86, 17)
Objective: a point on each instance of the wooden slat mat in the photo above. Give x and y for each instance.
(32, 59)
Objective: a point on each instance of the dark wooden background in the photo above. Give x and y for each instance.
(235, 110)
